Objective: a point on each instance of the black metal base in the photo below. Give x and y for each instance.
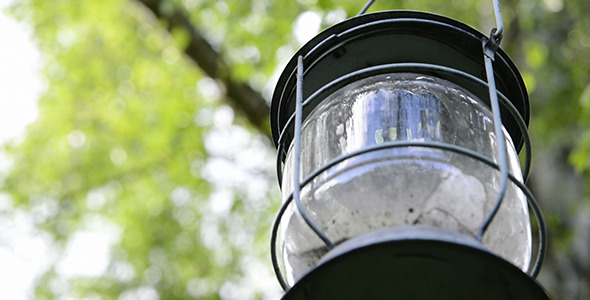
(417, 263)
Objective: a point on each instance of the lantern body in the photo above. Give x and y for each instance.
(400, 186)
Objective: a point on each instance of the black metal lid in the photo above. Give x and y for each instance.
(397, 37)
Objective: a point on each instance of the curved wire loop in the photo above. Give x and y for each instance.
(532, 202)
(297, 158)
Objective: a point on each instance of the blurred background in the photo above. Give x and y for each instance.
(136, 161)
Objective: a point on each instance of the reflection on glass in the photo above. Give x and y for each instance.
(400, 186)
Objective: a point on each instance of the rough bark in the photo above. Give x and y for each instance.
(241, 96)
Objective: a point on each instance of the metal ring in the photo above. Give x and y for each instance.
(381, 69)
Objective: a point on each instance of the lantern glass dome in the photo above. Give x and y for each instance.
(401, 186)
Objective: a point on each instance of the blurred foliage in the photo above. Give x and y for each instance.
(132, 134)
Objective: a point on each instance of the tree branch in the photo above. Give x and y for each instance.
(241, 96)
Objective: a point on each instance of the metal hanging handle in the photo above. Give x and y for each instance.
(499, 30)
(366, 7)
(496, 32)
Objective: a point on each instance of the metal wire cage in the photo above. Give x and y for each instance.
(406, 42)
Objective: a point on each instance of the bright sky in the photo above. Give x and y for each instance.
(26, 253)
(20, 85)
(23, 251)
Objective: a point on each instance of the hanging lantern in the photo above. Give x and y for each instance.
(398, 175)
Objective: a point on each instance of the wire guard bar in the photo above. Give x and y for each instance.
(490, 46)
(297, 157)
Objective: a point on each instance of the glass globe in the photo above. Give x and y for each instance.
(413, 186)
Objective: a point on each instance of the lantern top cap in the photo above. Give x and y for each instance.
(395, 41)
